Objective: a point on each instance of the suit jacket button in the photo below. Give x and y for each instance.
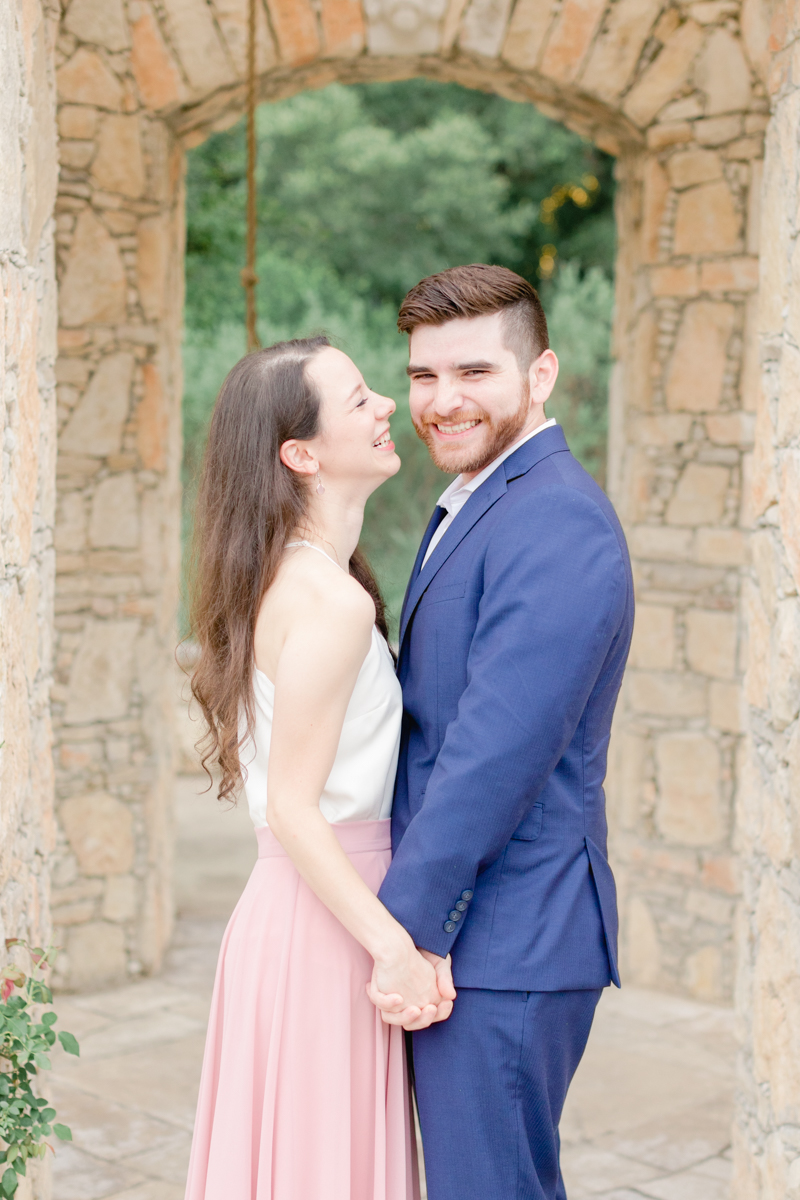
(467, 895)
(449, 927)
(454, 916)
(462, 905)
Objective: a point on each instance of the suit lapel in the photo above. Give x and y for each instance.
(437, 517)
(549, 441)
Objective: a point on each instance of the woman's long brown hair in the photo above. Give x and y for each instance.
(248, 506)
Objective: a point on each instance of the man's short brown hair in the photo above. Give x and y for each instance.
(475, 291)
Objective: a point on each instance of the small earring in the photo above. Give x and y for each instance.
(320, 488)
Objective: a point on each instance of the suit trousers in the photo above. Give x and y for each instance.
(491, 1083)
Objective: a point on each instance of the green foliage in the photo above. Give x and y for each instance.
(363, 191)
(536, 157)
(382, 184)
(579, 322)
(26, 1038)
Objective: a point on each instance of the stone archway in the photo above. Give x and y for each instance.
(678, 95)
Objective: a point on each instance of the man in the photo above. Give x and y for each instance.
(514, 636)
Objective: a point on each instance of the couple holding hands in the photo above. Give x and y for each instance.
(431, 834)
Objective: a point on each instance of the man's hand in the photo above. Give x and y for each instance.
(393, 1011)
(444, 976)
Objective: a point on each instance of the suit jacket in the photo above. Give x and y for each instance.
(513, 641)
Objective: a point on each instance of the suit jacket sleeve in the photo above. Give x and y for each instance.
(553, 600)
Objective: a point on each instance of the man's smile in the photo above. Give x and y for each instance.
(454, 430)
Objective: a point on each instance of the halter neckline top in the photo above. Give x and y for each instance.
(361, 783)
(311, 546)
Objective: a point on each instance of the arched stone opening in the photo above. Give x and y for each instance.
(676, 441)
(676, 93)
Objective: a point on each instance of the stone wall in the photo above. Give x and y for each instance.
(27, 464)
(681, 438)
(704, 457)
(672, 91)
(119, 246)
(677, 92)
(767, 1142)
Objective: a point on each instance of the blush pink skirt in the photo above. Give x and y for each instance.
(304, 1094)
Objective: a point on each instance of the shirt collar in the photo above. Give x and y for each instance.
(456, 494)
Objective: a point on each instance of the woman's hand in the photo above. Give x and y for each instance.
(393, 1004)
(402, 973)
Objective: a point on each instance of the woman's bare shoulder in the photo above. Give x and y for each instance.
(312, 589)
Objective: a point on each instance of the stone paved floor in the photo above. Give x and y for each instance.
(648, 1114)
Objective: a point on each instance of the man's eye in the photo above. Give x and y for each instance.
(362, 402)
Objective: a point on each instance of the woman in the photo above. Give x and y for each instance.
(303, 1093)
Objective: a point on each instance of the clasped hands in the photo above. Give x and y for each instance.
(415, 992)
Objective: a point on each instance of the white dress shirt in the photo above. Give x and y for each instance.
(456, 495)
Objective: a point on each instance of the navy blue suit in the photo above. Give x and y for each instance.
(513, 642)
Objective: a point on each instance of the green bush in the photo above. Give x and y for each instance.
(26, 1039)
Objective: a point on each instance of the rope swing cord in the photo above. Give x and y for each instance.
(248, 275)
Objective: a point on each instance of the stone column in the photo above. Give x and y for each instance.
(120, 241)
(125, 73)
(767, 1136)
(27, 463)
(681, 429)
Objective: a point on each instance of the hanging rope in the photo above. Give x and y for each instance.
(248, 275)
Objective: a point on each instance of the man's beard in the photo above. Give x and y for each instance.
(501, 435)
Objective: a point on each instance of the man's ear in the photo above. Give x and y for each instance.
(542, 376)
(298, 458)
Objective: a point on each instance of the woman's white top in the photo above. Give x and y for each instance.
(361, 782)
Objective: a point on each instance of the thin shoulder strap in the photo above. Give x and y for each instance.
(311, 546)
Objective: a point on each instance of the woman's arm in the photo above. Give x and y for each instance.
(328, 636)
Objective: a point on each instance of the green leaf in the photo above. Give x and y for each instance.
(49, 1018)
(69, 1042)
(40, 992)
(9, 1182)
(64, 1132)
(47, 1115)
(42, 1061)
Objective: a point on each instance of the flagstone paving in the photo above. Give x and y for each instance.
(648, 1114)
